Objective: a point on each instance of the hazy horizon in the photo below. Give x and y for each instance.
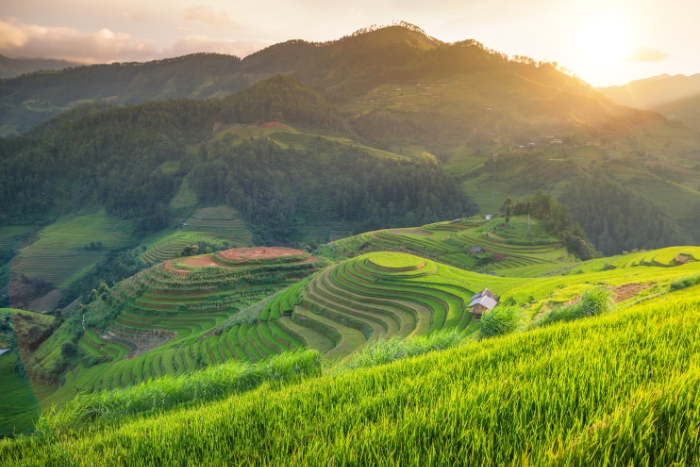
(604, 43)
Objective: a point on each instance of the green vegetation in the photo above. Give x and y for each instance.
(170, 391)
(396, 261)
(20, 332)
(506, 250)
(59, 256)
(583, 407)
(502, 320)
(220, 227)
(170, 320)
(593, 302)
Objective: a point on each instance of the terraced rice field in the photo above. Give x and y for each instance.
(172, 317)
(219, 226)
(189, 319)
(450, 243)
(58, 256)
(11, 236)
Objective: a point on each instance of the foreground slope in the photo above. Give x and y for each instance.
(614, 390)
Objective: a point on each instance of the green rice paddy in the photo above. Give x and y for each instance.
(59, 255)
(219, 226)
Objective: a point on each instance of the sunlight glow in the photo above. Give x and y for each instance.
(605, 39)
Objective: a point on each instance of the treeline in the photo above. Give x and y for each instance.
(617, 219)
(274, 188)
(556, 219)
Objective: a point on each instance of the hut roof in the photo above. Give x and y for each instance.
(485, 298)
(485, 301)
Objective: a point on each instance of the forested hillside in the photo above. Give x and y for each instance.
(384, 128)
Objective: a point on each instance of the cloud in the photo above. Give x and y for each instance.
(647, 54)
(105, 46)
(193, 44)
(205, 14)
(31, 40)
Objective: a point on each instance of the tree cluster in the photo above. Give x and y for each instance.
(617, 219)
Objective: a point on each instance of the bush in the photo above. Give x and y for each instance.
(501, 320)
(69, 350)
(684, 282)
(593, 302)
(390, 350)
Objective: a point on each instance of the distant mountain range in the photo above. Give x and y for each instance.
(12, 67)
(677, 97)
(345, 71)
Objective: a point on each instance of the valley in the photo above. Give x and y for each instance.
(382, 249)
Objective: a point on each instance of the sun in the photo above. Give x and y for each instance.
(605, 39)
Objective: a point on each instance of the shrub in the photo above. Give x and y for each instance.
(593, 302)
(501, 320)
(684, 282)
(68, 349)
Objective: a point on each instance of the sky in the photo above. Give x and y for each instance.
(604, 42)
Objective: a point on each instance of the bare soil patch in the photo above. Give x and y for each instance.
(168, 266)
(417, 231)
(247, 254)
(627, 291)
(201, 261)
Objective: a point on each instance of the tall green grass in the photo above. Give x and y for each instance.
(593, 302)
(540, 397)
(501, 320)
(684, 282)
(171, 391)
(386, 351)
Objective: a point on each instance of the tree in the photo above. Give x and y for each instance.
(508, 208)
(69, 350)
(203, 152)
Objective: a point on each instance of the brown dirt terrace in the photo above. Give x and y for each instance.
(247, 254)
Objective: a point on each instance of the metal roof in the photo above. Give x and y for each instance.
(485, 301)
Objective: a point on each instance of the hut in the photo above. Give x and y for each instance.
(482, 302)
(476, 249)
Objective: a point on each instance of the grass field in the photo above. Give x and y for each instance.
(11, 236)
(58, 256)
(539, 397)
(19, 408)
(219, 226)
(450, 243)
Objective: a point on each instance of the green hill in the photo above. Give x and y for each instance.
(617, 388)
(409, 139)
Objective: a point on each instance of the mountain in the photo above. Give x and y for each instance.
(677, 97)
(12, 67)
(655, 91)
(384, 128)
(343, 71)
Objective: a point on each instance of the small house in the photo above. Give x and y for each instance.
(482, 302)
(476, 249)
(489, 217)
